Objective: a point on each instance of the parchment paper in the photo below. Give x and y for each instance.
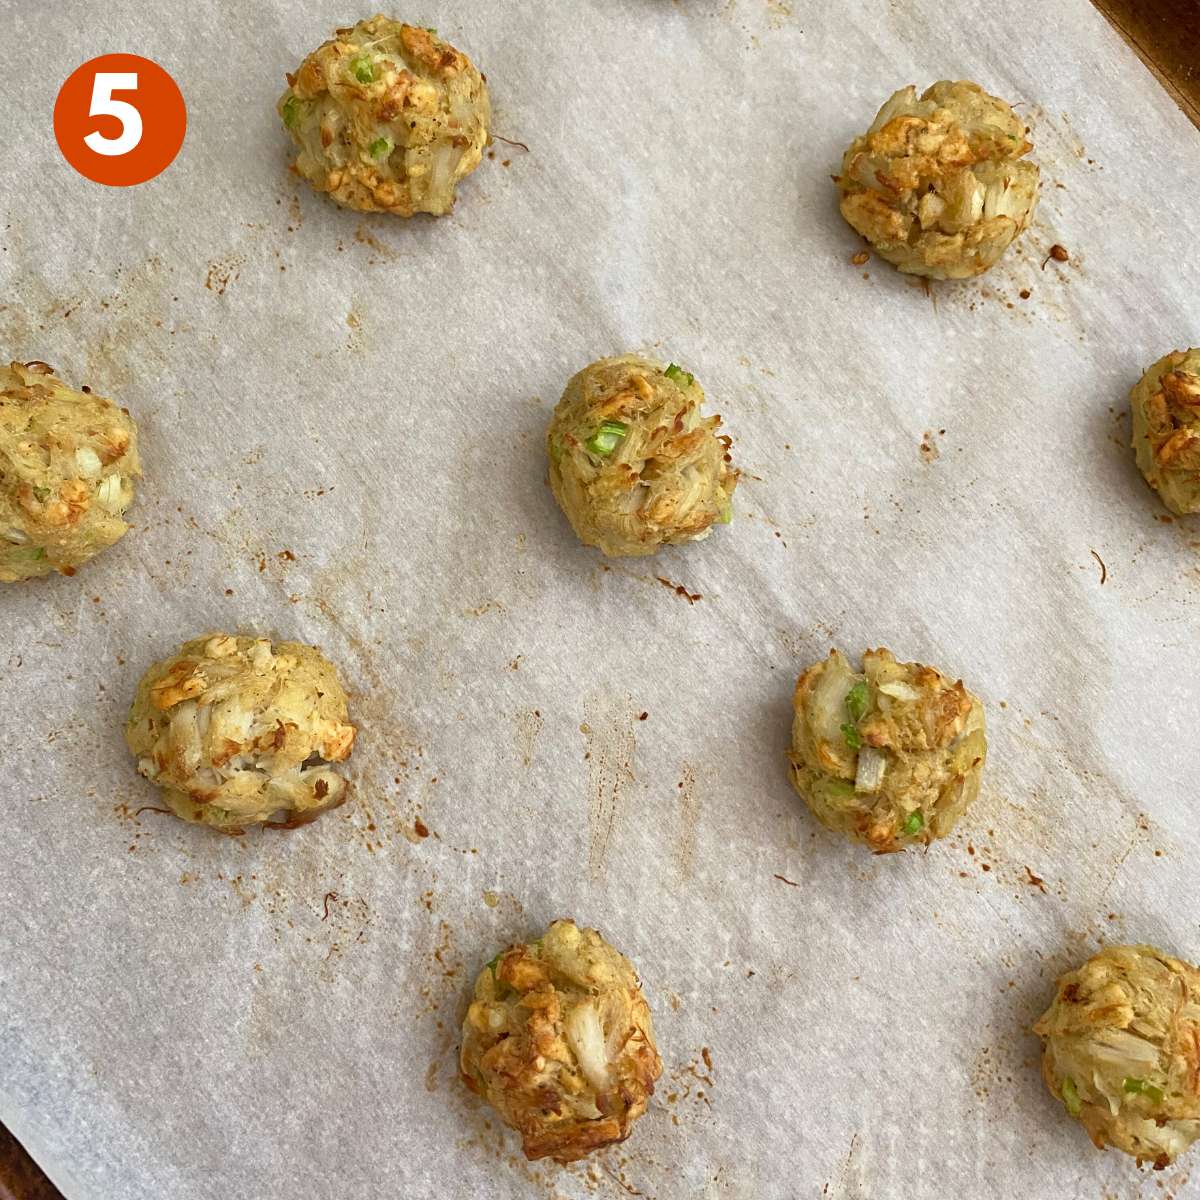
(342, 422)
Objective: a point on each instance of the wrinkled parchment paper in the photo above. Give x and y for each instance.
(342, 423)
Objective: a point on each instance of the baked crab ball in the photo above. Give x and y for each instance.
(890, 755)
(559, 1041)
(633, 463)
(938, 185)
(241, 731)
(68, 460)
(387, 118)
(1166, 429)
(1122, 1051)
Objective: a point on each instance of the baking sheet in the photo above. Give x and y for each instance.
(342, 422)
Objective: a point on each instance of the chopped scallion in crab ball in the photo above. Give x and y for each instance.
(891, 755)
(387, 117)
(68, 460)
(1121, 1050)
(634, 464)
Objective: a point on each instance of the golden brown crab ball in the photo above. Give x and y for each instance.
(937, 185)
(633, 464)
(1122, 1051)
(890, 755)
(67, 464)
(559, 1041)
(1166, 429)
(240, 731)
(387, 118)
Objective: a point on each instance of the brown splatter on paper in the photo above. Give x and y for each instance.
(608, 733)
(689, 816)
(356, 338)
(222, 272)
(529, 725)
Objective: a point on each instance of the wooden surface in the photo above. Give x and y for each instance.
(20, 1178)
(1166, 36)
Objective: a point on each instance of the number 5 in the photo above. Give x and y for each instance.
(103, 105)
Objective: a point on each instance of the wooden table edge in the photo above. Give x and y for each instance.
(1165, 35)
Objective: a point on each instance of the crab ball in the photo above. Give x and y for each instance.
(559, 1042)
(890, 755)
(1121, 1050)
(938, 185)
(67, 464)
(387, 117)
(241, 731)
(633, 463)
(1166, 429)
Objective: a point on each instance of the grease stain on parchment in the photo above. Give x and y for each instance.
(378, 818)
(778, 13)
(529, 724)
(384, 253)
(356, 339)
(485, 607)
(689, 817)
(122, 322)
(850, 1182)
(444, 971)
(609, 738)
(314, 911)
(222, 272)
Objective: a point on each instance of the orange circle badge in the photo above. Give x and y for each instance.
(120, 119)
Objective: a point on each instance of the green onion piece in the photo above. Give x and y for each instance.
(362, 69)
(726, 515)
(679, 375)
(430, 29)
(914, 824)
(852, 736)
(856, 700)
(380, 146)
(604, 441)
(1070, 1095)
(42, 493)
(29, 553)
(291, 111)
(1149, 1090)
(492, 965)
